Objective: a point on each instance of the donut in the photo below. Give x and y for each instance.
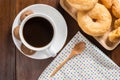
(25, 14)
(16, 32)
(26, 50)
(117, 23)
(107, 3)
(96, 22)
(114, 36)
(82, 5)
(116, 8)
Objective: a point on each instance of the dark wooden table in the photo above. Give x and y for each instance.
(13, 64)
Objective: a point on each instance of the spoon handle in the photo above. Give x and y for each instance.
(59, 67)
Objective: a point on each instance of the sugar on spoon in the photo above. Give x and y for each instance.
(78, 48)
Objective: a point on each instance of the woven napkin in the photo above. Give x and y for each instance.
(91, 64)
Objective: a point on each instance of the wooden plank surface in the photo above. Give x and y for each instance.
(7, 47)
(16, 66)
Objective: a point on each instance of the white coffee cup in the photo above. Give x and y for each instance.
(47, 47)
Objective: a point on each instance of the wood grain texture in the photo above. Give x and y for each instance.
(16, 66)
(7, 48)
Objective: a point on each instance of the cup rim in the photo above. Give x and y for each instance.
(22, 26)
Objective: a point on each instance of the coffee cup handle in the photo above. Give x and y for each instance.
(51, 52)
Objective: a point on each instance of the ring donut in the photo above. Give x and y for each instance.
(96, 22)
(116, 8)
(107, 3)
(82, 5)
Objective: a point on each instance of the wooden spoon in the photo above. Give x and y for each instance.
(78, 48)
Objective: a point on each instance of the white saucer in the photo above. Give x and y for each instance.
(61, 29)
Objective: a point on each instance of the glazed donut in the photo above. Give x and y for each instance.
(117, 23)
(114, 36)
(107, 3)
(96, 22)
(82, 5)
(116, 8)
(24, 14)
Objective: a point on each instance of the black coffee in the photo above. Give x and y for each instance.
(38, 32)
